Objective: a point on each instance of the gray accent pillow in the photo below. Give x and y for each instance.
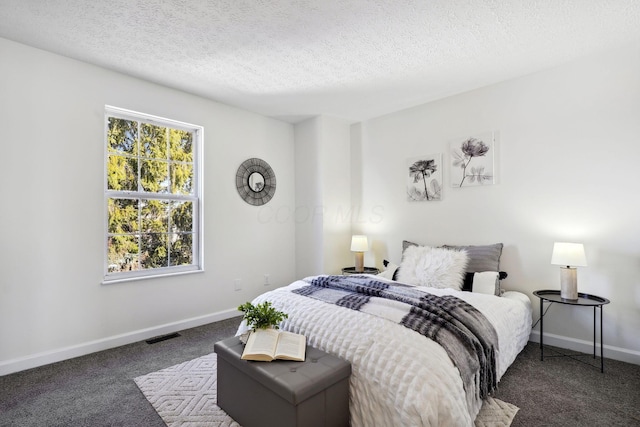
(481, 257)
(406, 244)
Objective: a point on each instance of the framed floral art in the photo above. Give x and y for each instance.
(472, 161)
(424, 178)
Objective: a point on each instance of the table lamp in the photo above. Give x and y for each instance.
(359, 245)
(569, 256)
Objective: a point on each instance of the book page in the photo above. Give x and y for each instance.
(261, 345)
(291, 346)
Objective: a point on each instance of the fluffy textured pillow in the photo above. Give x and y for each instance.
(390, 270)
(433, 267)
(482, 257)
(484, 282)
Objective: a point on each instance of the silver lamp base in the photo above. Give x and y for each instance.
(568, 283)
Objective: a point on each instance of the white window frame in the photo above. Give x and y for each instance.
(196, 198)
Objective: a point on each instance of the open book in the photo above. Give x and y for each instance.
(269, 344)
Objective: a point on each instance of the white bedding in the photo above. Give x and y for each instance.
(399, 377)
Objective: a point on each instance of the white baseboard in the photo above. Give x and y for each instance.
(610, 352)
(57, 355)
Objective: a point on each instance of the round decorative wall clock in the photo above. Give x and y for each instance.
(255, 181)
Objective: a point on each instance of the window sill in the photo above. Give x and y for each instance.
(108, 281)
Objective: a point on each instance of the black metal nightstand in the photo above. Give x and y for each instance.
(352, 270)
(586, 300)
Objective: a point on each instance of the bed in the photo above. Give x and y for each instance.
(399, 375)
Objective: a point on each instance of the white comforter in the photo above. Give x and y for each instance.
(399, 377)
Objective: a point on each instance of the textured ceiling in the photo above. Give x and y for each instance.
(292, 59)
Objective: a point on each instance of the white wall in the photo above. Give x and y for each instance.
(323, 196)
(336, 179)
(308, 213)
(568, 147)
(52, 302)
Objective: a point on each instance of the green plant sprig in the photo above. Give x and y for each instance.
(262, 316)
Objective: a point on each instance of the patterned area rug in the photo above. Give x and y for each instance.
(185, 395)
(496, 413)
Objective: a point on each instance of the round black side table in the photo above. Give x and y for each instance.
(585, 300)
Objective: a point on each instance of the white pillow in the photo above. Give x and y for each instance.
(486, 282)
(389, 271)
(433, 267)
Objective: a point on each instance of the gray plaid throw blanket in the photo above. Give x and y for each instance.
(465, 333)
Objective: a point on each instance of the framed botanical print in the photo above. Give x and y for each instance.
(424, 178)
(472, 161)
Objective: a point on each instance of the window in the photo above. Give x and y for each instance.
(152, 196)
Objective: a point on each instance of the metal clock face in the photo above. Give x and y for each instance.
(255, 181)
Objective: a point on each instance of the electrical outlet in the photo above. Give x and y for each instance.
(266, 280)
(236, 285)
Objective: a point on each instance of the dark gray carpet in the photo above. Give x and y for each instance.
(561, 391)
(98, 389)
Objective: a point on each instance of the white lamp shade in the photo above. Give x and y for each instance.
(569, 254)
(359, 244)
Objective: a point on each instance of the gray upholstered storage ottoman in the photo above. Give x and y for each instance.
(283, 393)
